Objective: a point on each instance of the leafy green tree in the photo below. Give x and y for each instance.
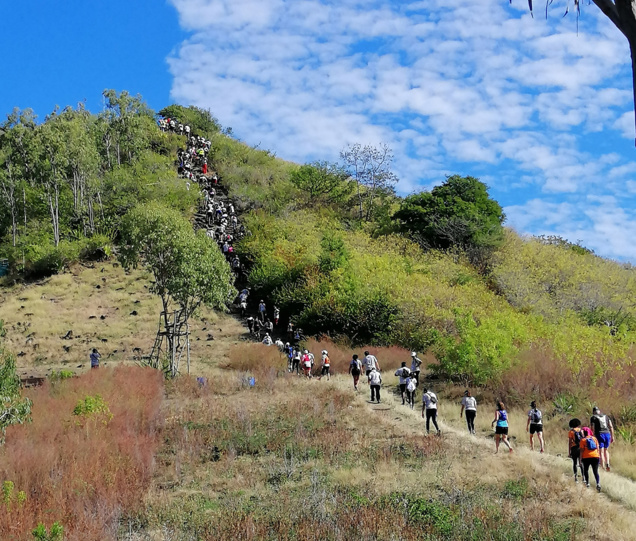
(14, 409)
(459, 213)
(322, 182)
(188, 268)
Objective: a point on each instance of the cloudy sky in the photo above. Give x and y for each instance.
(541, 114)
(477, 87)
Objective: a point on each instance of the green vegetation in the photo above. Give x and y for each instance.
(14, 408)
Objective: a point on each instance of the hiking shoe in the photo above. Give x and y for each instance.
(608, 467)
(541, 451)
(598, 488)
(510, 451)
(587, 485)
(576, 478)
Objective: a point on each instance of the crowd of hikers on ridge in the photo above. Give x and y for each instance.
(588, 446)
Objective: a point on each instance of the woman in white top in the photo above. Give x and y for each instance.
(469, 404)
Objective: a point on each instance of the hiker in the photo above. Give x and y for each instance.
(501, 430)
(429, 405)
(261, 310)
(411, 388)
(95, 357)
(276, 315)
(296, 362)
(575, 435)
(279, 344)
(375, 381)
(604, 433)
(306, 360)
(469, 405)
(590, 457)
(326, 365)
(370, 362)
(267, 340)
(250, 324)
(415, 366)
(403, 372)
(269, 326)
(535, 425)
(290, 329)
(243, 306)
(355, 367)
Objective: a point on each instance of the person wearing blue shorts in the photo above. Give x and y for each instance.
(604, 433)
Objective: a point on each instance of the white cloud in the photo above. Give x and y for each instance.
(469, 86)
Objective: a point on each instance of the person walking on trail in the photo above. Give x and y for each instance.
(267, 340)
(590, 457)
(296, 362)
(261, 311)
(575, 435)
(403, 373)
(469, 405)
(415, 366)
(306, 360)
(326, 365)
(250, 324)
(604, 433)
(411, 388)
(501, 430)
(355, 368)
(370, 362)
(375, 381)
(535, 425)
(429, 406)
(95, 357)
(276, 315)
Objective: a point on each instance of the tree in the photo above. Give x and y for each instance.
(623, 14)
(370, 167)
(188, 268)
(14, 409)
(458, 213)
(322, 182)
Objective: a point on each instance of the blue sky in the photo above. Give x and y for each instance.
(541, 114)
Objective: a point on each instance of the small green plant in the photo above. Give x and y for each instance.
(565, 403)
(9, 497)
(627, 434)
(56, 533)
(516, 490)
(61, 375)
(92, 410)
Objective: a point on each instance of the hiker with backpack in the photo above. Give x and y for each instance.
(355, 367)
(370, 362)
(535, 425)
(590, 457)
(469, 405)
(429, 407)
(307, 363)
(403, 372)
(375, 382)
(604, 433)
(296, 362)
(575, 435)
(501, 430)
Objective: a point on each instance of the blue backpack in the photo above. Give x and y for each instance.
(590, 443)
(503, 416)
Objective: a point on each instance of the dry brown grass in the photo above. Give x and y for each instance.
(84, 474)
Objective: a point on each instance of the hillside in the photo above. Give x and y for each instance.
(512, 318)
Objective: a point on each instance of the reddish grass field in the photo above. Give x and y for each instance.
(84, 475)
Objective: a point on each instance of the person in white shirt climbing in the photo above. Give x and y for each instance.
(375, 382)
(429, 407)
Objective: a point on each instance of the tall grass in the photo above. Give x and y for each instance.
(83, 475)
